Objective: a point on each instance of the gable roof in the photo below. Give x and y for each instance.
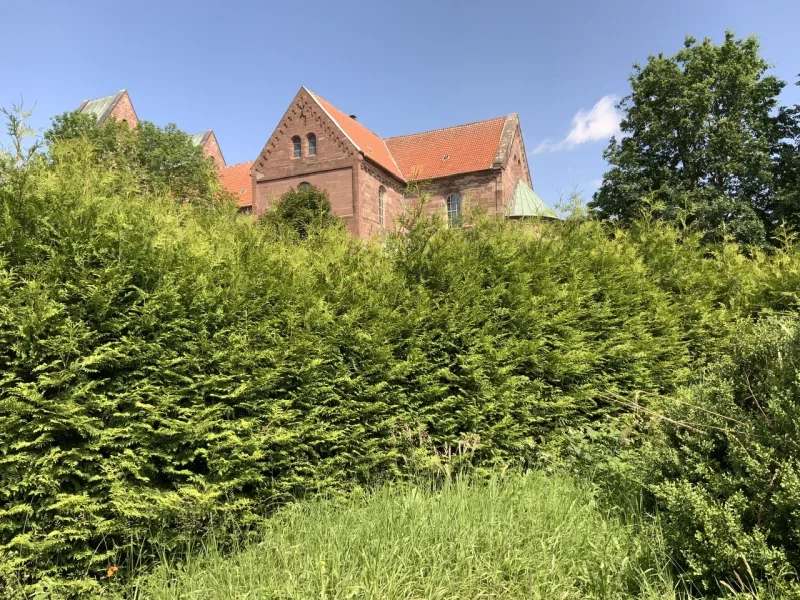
(368, 143)
(479, 146)
(101, 107)
(236, 179)
(527, 203)
(448, 151)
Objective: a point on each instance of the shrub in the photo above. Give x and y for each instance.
(302, 209)
(166, 367)
(726, 476)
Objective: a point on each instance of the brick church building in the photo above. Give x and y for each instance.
(480, 164)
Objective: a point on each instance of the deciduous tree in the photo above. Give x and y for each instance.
(702, 130)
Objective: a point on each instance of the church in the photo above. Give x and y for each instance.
(479, 165)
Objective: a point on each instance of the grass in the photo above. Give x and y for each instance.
(527, 536)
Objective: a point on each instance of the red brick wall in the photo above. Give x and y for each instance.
(123, 111)
(211, 148)
(516, 168)
(370, 179)
(333, 168)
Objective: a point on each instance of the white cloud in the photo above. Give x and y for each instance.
(598, 123)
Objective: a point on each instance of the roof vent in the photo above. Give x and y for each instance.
(353, 117)
(446, 157)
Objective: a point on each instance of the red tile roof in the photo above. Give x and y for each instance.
(236, 179)
(448, 151)
(364, 140)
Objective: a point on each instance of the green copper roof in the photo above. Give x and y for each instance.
(100, 107)
(526, 203)
(198, 139)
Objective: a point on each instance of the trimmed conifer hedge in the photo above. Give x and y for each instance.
(166, 367)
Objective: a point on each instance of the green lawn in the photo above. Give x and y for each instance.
(532, 536)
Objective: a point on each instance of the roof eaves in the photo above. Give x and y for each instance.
(525, 202)
(488, 169)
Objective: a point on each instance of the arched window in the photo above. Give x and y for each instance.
(304, 186)
(312, 144)
(454, 210)
(381, 192)
(297, 146)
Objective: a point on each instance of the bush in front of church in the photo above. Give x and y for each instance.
(302, 209)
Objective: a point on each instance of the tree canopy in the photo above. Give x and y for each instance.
(159, 160)
(705, 141)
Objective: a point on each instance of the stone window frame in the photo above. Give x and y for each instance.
(297, 147)
(312, 144)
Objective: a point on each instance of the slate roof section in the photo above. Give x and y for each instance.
(448, 151)
(101, 107)
(527, 203)
(371, 145)
(236, 179)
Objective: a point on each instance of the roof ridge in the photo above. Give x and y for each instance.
(106, 96)
(504, 117)
(244, 162)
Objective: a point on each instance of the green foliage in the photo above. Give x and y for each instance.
(21, 135)
(726, 475)
(302, 209)
(157, 161)
(167, 367)
(702, 133)
(787, 176)
(529, 536)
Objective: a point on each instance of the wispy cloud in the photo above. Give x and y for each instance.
(598, 123)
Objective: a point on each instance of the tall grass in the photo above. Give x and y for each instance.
(530, 536)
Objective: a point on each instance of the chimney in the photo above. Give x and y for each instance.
(353, 117)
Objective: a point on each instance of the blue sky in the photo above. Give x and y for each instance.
(401, 67)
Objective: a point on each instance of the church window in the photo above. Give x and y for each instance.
(381, 192)
(453, 210)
